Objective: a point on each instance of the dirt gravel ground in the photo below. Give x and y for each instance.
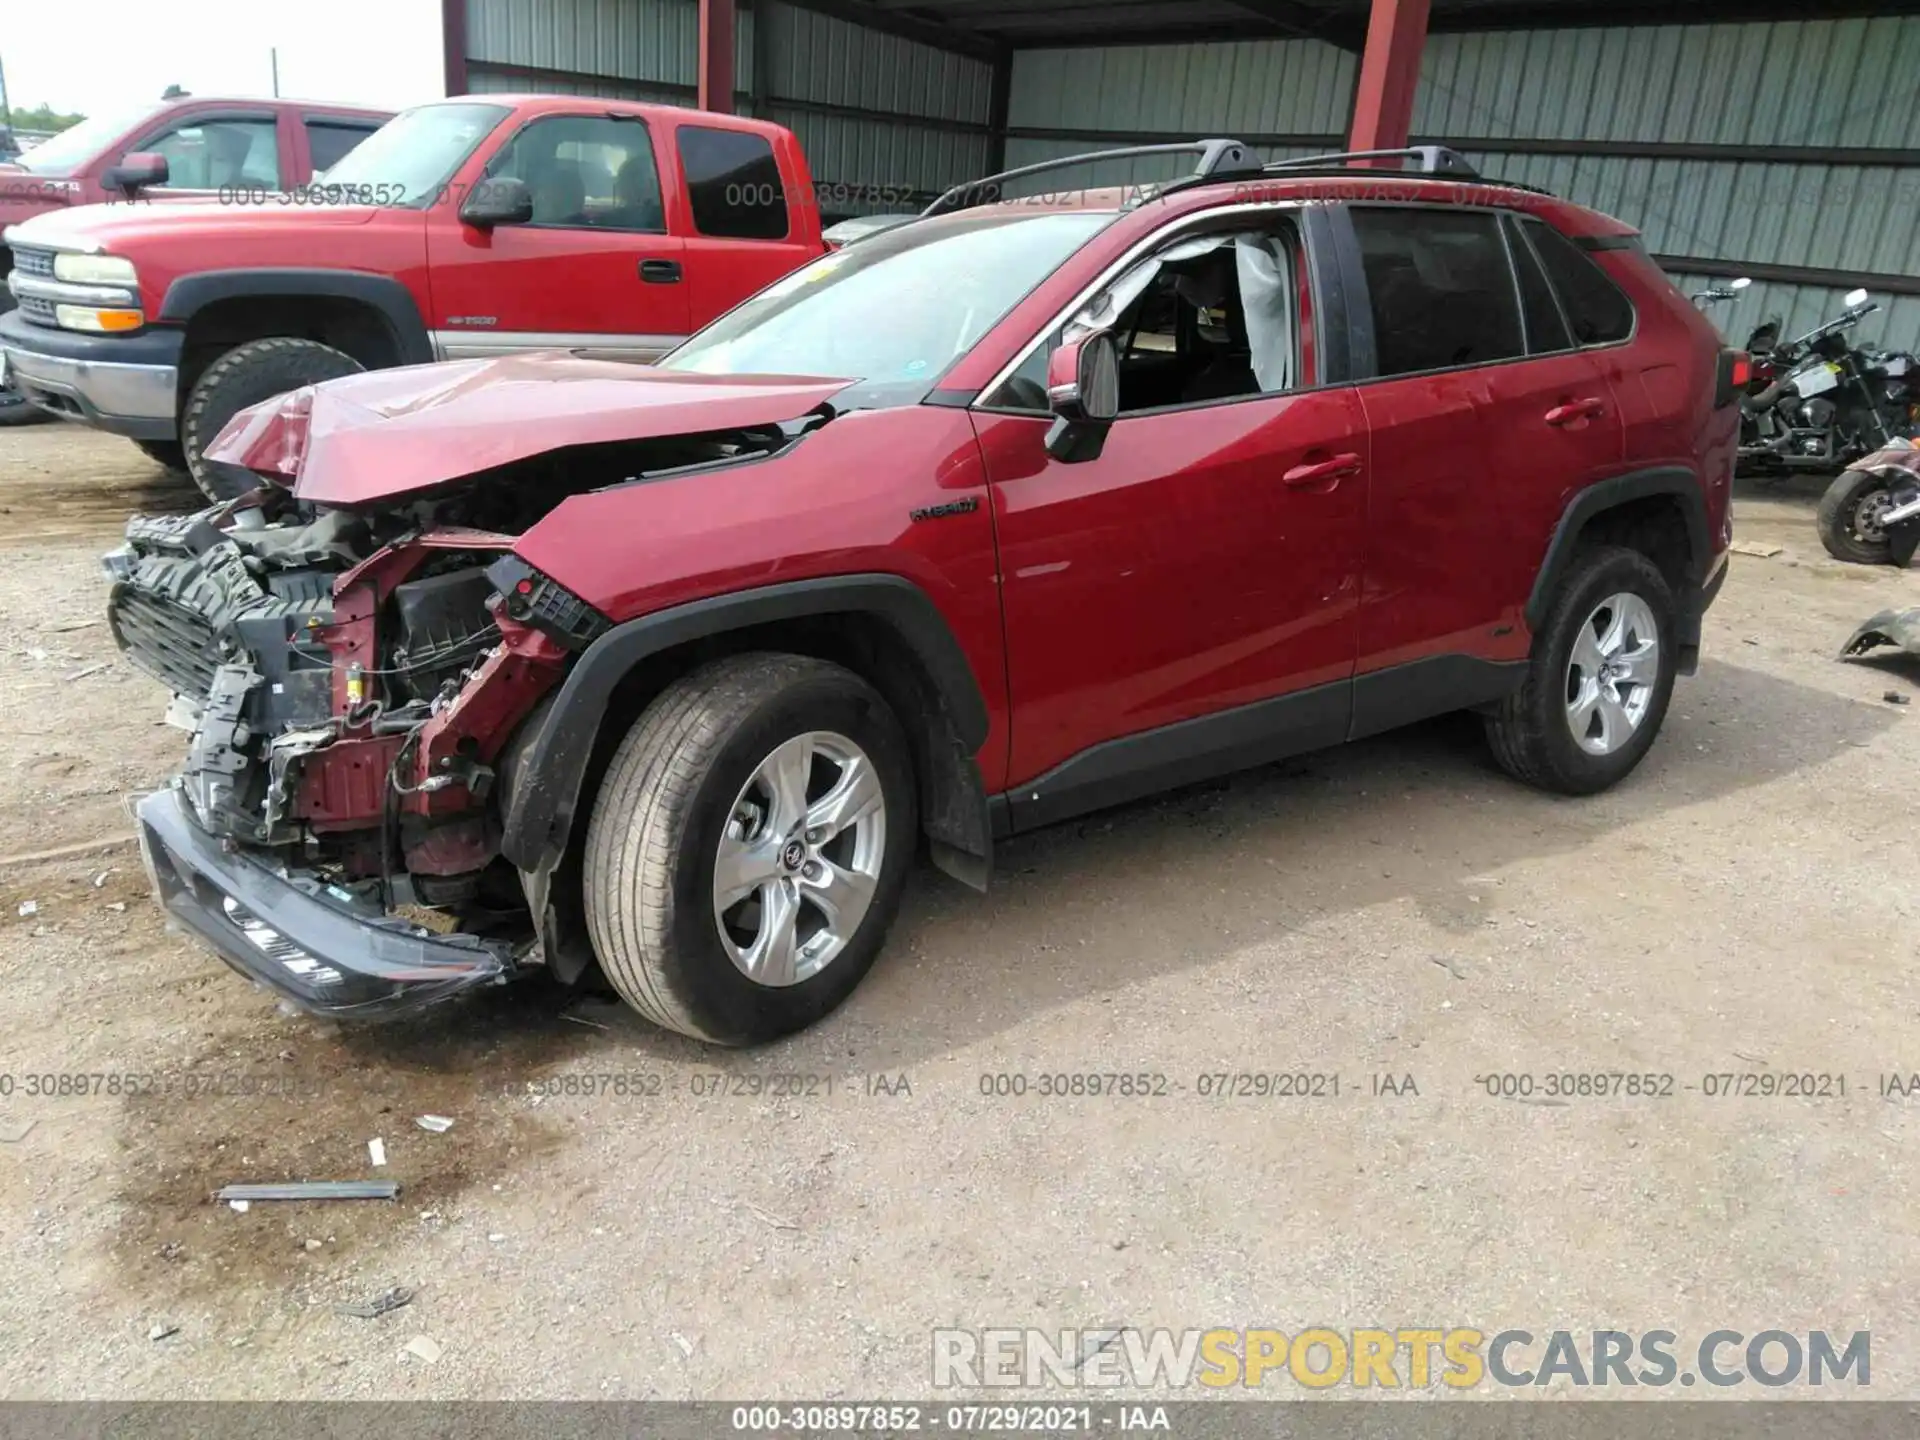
(608, 1218)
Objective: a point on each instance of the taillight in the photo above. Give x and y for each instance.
(1735, 370)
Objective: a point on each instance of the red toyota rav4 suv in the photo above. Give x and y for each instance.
(1013, 512)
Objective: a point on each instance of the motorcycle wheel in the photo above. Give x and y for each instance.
(1849, 518)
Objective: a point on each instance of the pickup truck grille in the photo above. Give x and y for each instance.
(36, 309)
(170, 642)
(33, 262)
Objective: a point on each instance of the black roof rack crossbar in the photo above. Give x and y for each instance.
(1215, 156)
(1434, 160)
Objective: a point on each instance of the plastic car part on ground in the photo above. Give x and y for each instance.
(1889, 627)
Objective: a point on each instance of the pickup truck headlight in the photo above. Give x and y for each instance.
(98, 321)
(94, 270)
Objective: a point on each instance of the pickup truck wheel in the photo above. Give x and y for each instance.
(748, 847)
(165, 453)
(246, 375)
(1849, 518)
(1599, 681)
(16, 409)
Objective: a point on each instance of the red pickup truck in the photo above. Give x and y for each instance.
(469, 227)
(208, 143)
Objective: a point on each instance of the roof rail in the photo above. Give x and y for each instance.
(1434, 160)
(1215, 156)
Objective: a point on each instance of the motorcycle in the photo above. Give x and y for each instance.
(1815, 402)
(1871, 514)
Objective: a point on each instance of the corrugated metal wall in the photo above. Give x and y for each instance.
(1240, 89)
(935, 102)
(926, 120)
(1819, 83)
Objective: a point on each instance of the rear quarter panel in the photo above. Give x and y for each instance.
(1664, 384)
(836, 503)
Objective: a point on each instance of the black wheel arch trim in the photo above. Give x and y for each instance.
(382, 293)
(541, 812)
(1604, 495)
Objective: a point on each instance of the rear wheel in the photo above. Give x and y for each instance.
(244, 376)
(1850, 516)
(748, 847)
(1599, 681)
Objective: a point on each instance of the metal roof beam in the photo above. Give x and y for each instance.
(907, 27)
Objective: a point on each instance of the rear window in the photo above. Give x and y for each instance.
(734, 184)
(329, 141)
(1440, 287)
(1596, 308)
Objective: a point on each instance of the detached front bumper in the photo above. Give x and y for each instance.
(323, 953)
(124, 384)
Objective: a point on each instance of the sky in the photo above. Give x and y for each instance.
(384, 53)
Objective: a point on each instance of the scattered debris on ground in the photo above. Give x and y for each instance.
(311, 1190)
(379, 1305)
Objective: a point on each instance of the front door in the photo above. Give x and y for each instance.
(1182, 604)
(594, 269)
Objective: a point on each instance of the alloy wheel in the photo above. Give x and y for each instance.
(799, 859)
(1612, 673)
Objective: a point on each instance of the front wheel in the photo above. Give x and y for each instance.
(748, 847)
(1599, 680)
(244, 376)
(1850, 518)
(165, 453)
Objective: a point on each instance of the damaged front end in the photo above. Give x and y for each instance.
(351, 684)
(359, 659)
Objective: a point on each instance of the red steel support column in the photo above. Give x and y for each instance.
(453, 46)
(716, 56)
(1389, 71)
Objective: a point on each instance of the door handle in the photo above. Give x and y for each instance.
(1321, 474)
(660, 272)
(1574, 411)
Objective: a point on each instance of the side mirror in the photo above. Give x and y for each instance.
(1083, 392)
(139, 169)
(505, 200)
(1742, 283)
(1856, 297)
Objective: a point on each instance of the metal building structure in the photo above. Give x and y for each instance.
(1740, 139)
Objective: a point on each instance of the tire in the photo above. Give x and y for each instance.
(246, 375)
(167, 454)
(1847, 533)
(1533, 731)
(686, 780)
(16, 409)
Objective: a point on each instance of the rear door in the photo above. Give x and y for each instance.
(1481, 424)
(739, 217)
(595, 269)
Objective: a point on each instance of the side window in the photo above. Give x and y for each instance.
(1440, 287)
(734, 184)
(1209, 317)
(1546, 326)
(215, 154)
(328, 141)
(587, 170)
(1596, 307)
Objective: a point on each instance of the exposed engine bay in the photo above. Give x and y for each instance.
(355, 681)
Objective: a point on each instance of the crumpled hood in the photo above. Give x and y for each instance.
(392, 432)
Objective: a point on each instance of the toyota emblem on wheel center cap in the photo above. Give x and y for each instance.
(794, 855)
